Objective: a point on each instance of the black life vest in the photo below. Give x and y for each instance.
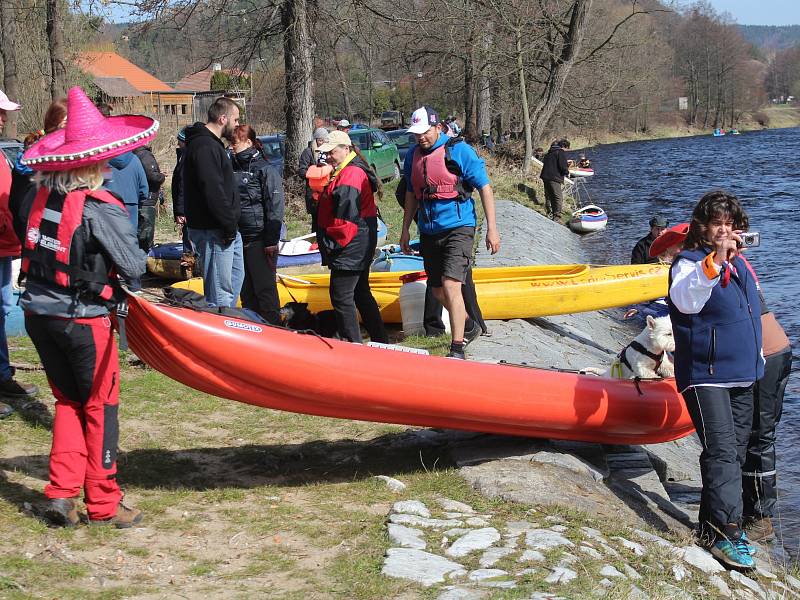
(54, 249)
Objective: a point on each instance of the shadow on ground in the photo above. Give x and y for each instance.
(257, 465)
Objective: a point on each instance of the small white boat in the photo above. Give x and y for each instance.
(588, 218)
(306, 244)
(578, 172)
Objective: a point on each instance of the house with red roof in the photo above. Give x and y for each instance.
(124, 84)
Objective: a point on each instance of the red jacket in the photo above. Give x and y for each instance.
(347, 218)
(9, 244)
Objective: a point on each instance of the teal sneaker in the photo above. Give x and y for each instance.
(752, 548)
(734, 554)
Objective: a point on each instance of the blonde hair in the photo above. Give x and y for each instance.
(90, 177)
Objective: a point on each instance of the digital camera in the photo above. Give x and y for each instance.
(750, 239)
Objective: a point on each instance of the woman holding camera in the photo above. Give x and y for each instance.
(715, 310)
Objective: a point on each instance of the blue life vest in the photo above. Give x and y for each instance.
(721, 343)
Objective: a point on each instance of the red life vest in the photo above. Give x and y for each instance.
(435, 176)
(52, 251)
(318, 177)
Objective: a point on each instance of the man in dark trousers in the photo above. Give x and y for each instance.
(147, 208)
(211, 201)
(641, 251)
(308, 157)
(554, 169)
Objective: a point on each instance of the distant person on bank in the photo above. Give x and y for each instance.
(554, 170)
(641, 251)
(714, 306)
(211, 201)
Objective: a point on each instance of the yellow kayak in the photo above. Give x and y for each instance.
(503, 292)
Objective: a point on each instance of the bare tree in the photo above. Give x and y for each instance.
(8, 35)
(297, 51)
(56, 17)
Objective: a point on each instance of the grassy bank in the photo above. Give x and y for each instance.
(243, 502)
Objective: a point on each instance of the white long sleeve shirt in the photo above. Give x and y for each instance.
(690, 290)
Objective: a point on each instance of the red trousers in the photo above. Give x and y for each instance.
(82, 366)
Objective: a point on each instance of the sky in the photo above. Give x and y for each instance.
(745, 12)
(761, 12)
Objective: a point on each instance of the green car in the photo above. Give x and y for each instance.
(379, 151)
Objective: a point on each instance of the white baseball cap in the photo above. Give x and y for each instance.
(343, 123)
(7, 104)
(423, 119)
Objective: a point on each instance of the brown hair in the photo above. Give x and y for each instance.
(54, 115)
(714, 205)
(222, 106)
(246, 132)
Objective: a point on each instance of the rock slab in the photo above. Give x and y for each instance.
(423, 567)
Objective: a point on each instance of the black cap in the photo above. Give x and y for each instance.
(659, 221)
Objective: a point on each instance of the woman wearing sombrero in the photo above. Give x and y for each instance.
(77, 239)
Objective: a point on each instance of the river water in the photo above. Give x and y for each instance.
(638, 179)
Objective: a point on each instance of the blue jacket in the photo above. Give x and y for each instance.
(442, 215)
(129, 182)
(721, 343)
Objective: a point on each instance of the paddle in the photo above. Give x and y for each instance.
(295, 279)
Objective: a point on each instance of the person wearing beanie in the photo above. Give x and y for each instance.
(308, 157)
(554, 169)
(641, 251)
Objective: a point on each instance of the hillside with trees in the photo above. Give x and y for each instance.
(771, 37)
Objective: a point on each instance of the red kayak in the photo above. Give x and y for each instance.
(277, 368)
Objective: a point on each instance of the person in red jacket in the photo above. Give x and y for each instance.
(347, 233)
(9, 250)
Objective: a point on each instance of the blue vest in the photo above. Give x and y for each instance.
(721, 343)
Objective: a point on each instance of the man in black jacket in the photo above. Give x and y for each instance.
(554, 169)
(308, 157)
(641, 251)
(212, 203)
(146, 228)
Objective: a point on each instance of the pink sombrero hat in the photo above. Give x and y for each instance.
(89, 137)
(670, 237)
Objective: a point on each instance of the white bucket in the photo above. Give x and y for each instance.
(412, 304)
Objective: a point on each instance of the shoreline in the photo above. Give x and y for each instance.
(780, 117)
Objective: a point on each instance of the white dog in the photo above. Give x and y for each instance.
(646, 356)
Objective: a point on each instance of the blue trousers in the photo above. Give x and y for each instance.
(222, 266)
(7, 300)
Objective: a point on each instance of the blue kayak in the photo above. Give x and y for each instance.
(166, 257)
(391, 258)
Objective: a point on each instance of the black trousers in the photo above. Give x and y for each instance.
(432, 320)
(260, 291)
(759, 476)
(554, 196)
(146, 227)
(349, 291)
(723, 419)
